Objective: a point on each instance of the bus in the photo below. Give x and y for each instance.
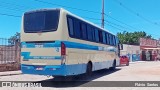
(55, 42)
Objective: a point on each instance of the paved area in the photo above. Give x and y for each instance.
(9, 73)
(137, 71)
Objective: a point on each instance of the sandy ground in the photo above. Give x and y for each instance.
(137, 71)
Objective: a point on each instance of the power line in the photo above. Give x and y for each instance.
(109, 22)
(116, 27)
(133, 28)
(122, 22)
(67, 6)
(11, 15)
(14, 9)
(77, 9)
(11, 4)
(126, 30)
(135, 13)
(85, 11)
(91, 18)
(106, 22)
(80, 10)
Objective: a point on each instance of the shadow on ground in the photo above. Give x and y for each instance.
(80, 80)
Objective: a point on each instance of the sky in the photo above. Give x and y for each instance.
(120, 15)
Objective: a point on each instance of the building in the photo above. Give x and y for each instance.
(132, 51)
(148, 48)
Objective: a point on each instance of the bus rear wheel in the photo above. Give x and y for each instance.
(113, 66)
(89, 69)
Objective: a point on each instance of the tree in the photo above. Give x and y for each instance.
(132, 37)
(14, 39)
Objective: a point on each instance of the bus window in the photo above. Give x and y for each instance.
(107, 38)
(104, 37)
(111, 39)
(96, 35)
(100, 36)
(77, 28)
(70, 26)
(41, 21)
(89, 32)
(83, 30)
(93, 35)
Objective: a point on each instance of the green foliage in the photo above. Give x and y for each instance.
(14, 39)
(132, 37)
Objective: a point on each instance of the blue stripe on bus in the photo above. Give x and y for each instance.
(80, 46)
(45, 45)
(67, 44)
(26, 56)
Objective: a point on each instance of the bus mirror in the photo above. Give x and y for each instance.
(120, 46)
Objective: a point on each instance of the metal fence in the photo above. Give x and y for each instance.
(9, 53)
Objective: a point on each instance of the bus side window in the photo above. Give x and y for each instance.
(93, 35)
(89, 32)
(104, 37)
(111, 39)
(100, 36)
(70, 27)
(83, 31)
(96, 35)
(77, 29)
(107, 38)
(114, 41)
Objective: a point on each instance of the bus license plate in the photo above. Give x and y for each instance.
(39, 68)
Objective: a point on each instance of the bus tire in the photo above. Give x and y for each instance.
(127, 64)
(89, 69)
(113, 66)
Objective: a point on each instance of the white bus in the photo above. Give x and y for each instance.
(57, 43)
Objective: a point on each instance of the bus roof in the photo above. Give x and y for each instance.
(67, 12)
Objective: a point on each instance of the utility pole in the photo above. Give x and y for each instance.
(102, 25)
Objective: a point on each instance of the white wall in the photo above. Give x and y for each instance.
(131, 49)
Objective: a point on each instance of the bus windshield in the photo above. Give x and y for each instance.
(41, 21)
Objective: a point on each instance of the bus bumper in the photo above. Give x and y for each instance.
(53, 70)
(59, 70)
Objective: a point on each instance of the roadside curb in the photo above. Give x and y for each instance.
(10, 73)
(138, 62)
